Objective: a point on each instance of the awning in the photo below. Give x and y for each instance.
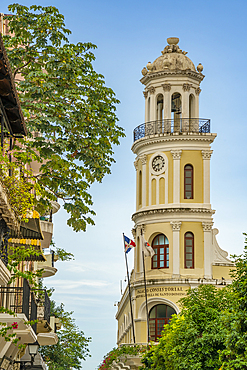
(30, 235)
(30, 229)
(9, 101)
(35, 243)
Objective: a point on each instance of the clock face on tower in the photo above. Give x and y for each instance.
(158, 163)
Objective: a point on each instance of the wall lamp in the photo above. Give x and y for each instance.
(33, 350)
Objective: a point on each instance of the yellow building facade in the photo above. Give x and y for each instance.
(173, 210)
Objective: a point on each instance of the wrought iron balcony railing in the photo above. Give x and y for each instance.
(35, 304)
(4, 234)
(44, 305)
(172, 126)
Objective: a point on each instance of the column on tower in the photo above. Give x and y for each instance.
(145, 93)
(143, 159)
(185, 107)
(176, 154)
(167, 107)
(176, 226)
(152, 103)
(207, 229)
(206, 155)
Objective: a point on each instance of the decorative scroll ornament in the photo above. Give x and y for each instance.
(145, 93)
(134, 232)
(166, 87)
(176, 225)
(176, 154)
(186, 87)
(151, 89)
(207, 226)
(198, 90)
(143, 159)
(136, 164)
(140, 229)
(206, 154)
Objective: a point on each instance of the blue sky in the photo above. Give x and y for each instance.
(128, 35)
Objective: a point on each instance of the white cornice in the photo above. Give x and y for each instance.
(185, 141)
(186, 73)
(178, 211)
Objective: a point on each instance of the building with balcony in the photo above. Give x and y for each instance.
(20, 301)
(173, 211)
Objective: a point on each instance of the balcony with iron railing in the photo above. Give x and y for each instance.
(172, 127)
(33, 303)
(48, 267)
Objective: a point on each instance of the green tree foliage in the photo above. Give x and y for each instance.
(121, 354)
(194, 338)
(72, 346)
(19, 185)
(66, 102)
(234, 356)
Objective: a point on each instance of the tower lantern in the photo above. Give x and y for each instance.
(173, 210)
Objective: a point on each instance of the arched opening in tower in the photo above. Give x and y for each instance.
(176, 109)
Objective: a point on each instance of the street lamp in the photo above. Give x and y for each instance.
(33, 350)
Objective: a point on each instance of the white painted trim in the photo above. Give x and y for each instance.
(144, 182)
(176, 178)
(167, 105)
(176, 226)
(208, 254)
(206, 180)
(142, 315)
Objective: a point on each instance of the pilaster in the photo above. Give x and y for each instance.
(176, 226)
(207, 230)
(167, 100)
(143, 159)
(185, 105)
(197, 91)
(176, 154)
(206, 155)
(152, 103)
(145, 93)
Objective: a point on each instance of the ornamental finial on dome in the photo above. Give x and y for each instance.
(172, 46)
(172, 40)
(172, 59)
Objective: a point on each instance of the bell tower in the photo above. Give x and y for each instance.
(173, 210)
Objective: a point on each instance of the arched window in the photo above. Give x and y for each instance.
(161, 249)
(188, 182)
(159, 316)
(189, 250)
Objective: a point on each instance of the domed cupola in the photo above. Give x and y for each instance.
(172, 88)
(172, 59)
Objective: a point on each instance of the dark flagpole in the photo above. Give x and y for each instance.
(131, 312)
(145, 285)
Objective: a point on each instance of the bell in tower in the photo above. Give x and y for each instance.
(173, 211)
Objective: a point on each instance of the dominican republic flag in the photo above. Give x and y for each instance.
(129, 244)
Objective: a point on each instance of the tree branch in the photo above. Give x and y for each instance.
(24, 65)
